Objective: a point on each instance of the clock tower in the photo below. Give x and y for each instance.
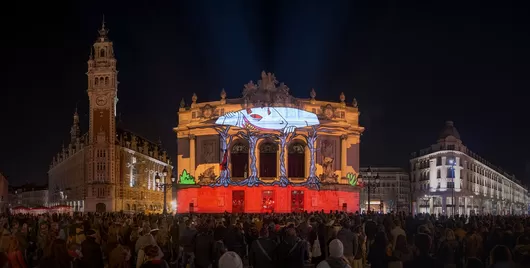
(102, 94)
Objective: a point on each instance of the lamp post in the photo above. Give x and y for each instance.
(452, 162)
(370, 185)
(164, 186)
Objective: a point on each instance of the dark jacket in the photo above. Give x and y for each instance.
(262, 258)
(292, 253)
(203, 249)
(92, 255)
(235, 241)
(186, 239)
(349, 241)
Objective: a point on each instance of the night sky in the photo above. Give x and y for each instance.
(411, 66)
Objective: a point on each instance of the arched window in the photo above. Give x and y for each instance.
(268, 163)
(102, 53)
(106, 81)
(101, 80)
(296, 160)
(96, 81)
(239, 159)
(128, 207)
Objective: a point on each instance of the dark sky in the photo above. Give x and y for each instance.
(411, 66)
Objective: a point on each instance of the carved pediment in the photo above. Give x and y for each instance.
(327, 112)
(207, 111)
(268, 92)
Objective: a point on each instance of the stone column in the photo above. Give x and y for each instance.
(431, 205)
(343, 155)
(192, 154)
(307, 157)
(444, 205)
(457, 179)
(433, 181)
(443, 174)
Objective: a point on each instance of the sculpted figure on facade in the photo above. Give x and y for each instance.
(327, 152)
(145, 149)
(134, 143)
(207, 177)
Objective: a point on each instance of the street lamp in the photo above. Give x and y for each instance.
(164, 186)
(452, 162)
(371, 185)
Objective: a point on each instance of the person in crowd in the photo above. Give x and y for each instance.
(423, 244)
(152, 253)
(14, 254)
(58, 257)
(336, 257)
(91, 250)
(348, 240)
(230, 259)
(501, 257)
(262, 253)
(292, 251)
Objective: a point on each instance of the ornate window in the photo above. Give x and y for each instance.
(240, 148)
(297, 148)
(96, 81)
(102, 53)
(268, 148)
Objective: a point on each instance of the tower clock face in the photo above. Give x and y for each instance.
(100, 100)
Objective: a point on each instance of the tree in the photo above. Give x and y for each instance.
(224, 176)
(252, 138)
(285, 139)
(312, 181)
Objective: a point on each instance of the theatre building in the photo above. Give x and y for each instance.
(268, 151)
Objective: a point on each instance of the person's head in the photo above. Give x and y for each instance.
(230, 259)
(397, 223)
(381, 239)
(264, 232)
(146, 229)
(336, 249)
(500, 253)
(449, 235)
(291, 232)
(151, 251)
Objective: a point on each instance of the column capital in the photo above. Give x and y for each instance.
(191, 136)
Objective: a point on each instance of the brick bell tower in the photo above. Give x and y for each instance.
(102, 94)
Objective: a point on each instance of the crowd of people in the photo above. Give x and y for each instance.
(296, 240)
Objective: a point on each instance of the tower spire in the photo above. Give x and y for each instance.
(103, 31)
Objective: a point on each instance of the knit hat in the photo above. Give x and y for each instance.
(231, 260)
(336, 249)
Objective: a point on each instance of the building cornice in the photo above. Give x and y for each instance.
(133, 152)
(430, 155)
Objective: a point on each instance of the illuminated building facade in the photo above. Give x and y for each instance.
(391, 194)
(268, 151)
(30, 196)
(4, 192)
(448, 171)
(107, 168)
